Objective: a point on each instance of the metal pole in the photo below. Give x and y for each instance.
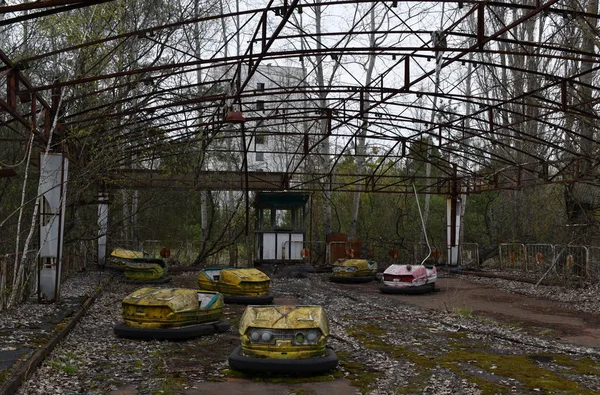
(246, 196)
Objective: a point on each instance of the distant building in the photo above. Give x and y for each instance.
(275, 142)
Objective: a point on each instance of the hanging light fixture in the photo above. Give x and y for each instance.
(235, 116)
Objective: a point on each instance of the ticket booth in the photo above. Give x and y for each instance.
(280, 227)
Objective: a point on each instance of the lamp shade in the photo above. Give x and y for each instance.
(235, 117)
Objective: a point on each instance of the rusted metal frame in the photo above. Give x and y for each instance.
(171, 47)
(480, 25)
(370, 137)
(563, 105)
(190, 102)
(224, 151)
(194, 101)
(489, 38)
(141, 31)
(508, 101)
(567, 166)
(406, 86)
(262, 28)
(159, 93)
(41, 4)
(143, 70)
(13, 113)
(143, 121)
(144, 95)
(5, 72)
(52, 11)
(184, 137)
(527, 118)
(132, 172)
(53, 3)
(299, 135)
(560, 11)
(22, 80)
(12, 86)
(177, 24)
(516, 99)
(437, 182)
(404, 140)
(475, 133)
(538, 46)
(274, 36)
(148, 120)
(547, 46)
(298, 187)
(267, 45)
(276, 55)
(170, 74)
(181, 137)
(388, 155)
(417, 136)
(441, 159)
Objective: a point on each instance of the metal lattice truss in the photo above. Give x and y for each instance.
(455, 94)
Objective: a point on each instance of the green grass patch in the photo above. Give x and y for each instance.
(463, 311)
(62, 366)
(525, 369)
(170, 386)
(4, 375)
(358, 374)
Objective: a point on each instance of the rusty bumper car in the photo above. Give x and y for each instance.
(353, 271)
(171, 314)
(149, 271)
(119, 257)
(139, 267)
(283, 339)
(241, 286)
(409, 279)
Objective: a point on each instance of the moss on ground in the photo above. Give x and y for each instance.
(4, 375)
(358, 373)
(524, 368)
(170, 385)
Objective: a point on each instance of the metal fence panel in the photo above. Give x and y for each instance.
(469, 255)
(574, 261)
(512, 256)
(539, 257)
(594, 263)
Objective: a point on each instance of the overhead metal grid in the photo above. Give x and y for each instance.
(151, 93)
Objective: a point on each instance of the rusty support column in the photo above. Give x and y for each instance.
(12, 86)
(480, 25)
(246, 197)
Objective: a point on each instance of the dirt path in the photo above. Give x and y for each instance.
(539, 316)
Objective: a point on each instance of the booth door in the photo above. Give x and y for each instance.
(268, 246)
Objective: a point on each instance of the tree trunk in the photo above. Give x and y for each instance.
(361, 138)
(325, 147)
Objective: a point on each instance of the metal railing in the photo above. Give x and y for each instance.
(558, 262)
